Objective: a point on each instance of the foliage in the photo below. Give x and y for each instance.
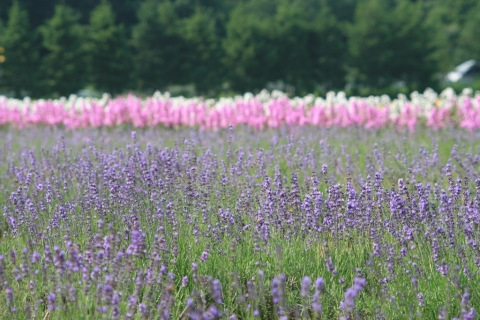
(201, 63)
(389, 44)
(63, 65)
(108, 51)
(447, 19)
(154, 44)
(469, 35)
(20, 43)
(250, 53)
(220, 46)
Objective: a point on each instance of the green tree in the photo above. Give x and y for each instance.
(21, 53)
(64, 63)
(447, 19)
(155, 46)
(291, 42)
(107, 51)
(390, 44)
(342, 10)
(201, 61)
(328, 50)
(294, 41)
(176, 44)
(469, 39)
(311, 45)
(251, 55)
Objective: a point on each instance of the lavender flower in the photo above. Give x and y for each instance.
(306, 282)
(217, 292)
(52, 299)
(352, 293)
(184, 281)
(421, 300)
(204, 256)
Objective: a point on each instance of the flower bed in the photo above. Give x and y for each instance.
(261, 111)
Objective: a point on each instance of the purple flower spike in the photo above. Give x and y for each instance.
(351, 294)
(52, 301)
(306, 282)
(184, 281)
(204, 256)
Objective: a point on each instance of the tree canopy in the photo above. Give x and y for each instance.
(107, 51)
(21, 53)
(63, 65)
(62, 46)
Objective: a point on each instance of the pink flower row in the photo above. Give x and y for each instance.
(462, 111)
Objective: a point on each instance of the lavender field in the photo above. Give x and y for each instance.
(297, 222)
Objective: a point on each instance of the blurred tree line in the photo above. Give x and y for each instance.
(61, 46)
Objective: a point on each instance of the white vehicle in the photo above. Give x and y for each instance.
(467, 72)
